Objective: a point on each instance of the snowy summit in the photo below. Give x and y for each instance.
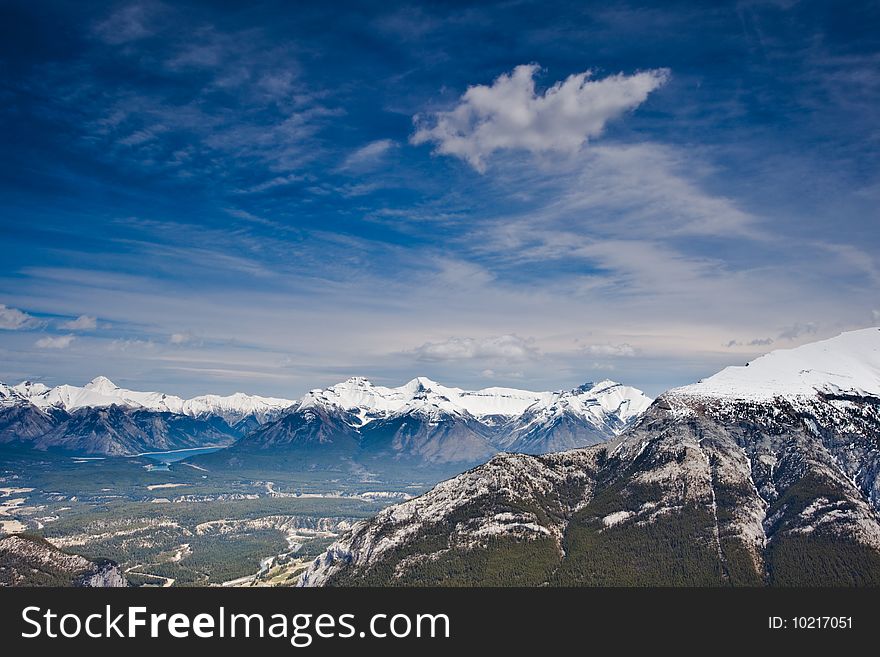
(846, 364)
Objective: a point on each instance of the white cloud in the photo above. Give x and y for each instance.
(81, 323)
(13, 319)
(504, 347)
(368, 155)
(492, 374)
(509, 114)
(622, 350)
(60, 342)
(875, 314)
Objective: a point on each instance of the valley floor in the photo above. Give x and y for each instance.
(183, 524)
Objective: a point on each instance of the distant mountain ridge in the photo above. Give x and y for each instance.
(102, 418)
(421, 420)
(102, 392)
(427, 422)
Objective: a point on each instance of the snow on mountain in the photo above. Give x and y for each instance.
(421, 395)
(30, 389)
(848, 363)
(425, 421)
(419, 419)
(357, 396)
(596, 401)
(102, 392)
(9, 395)
(591, 413)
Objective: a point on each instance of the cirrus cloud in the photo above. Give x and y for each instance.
(368, 156)
(510, 115)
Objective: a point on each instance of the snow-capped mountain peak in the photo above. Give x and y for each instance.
(30, 389)
(102, 385)
(846, 364)
(590, 413)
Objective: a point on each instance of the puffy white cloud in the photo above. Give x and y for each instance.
(81, 323)
(502, 347)
(59, 342)
(622, 350)
(509, 114)
(13, 319)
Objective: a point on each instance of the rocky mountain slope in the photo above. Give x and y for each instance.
(764, 474)
(31, 561)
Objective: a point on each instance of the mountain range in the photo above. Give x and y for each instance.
(421, 421)
(767, 474)
(102, 418)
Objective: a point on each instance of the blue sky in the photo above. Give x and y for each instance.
(271, 197)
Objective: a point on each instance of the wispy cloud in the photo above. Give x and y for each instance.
(754, 342)
(81, 323)
(57, 342)
(368, 156)
(181, 338)
(797, 330)
(245, 115)
(130, 22)
(510, 115)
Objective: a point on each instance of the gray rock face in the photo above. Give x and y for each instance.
(304, 428)
(428, 439)
(118, 431)
(23, 422)
(32, 561)
(106, 575)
